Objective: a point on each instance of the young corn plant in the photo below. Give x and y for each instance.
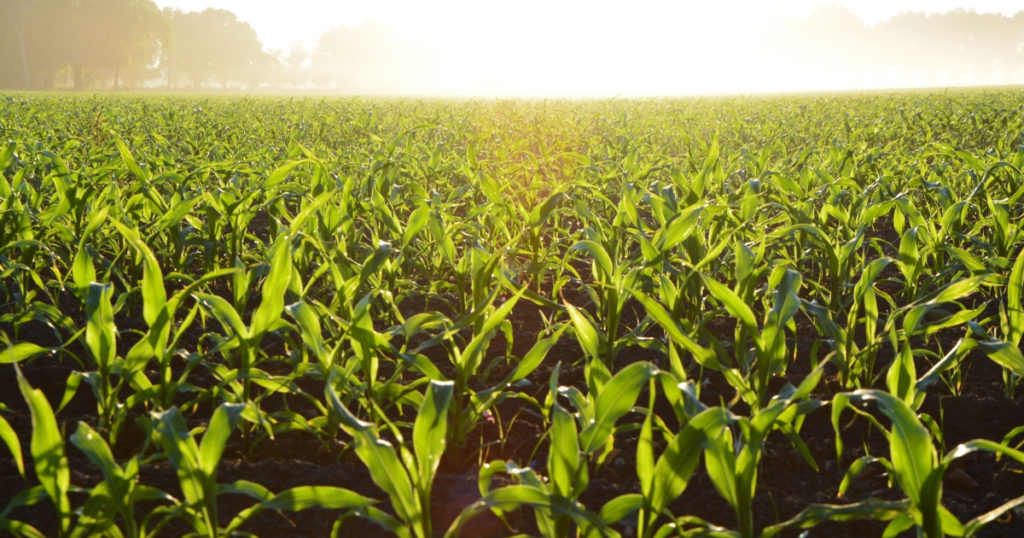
(917, 319)
(407, 476)
(111, 506)
(916, 467)
(680, 340)
(196, 464)
(732, 463)
(267, 317)
(470, 409)
(663, 479)
(855, 361)
(51, 464)
(573, 443)
(196, 467)
(1011, 322)
(609, 298)
(160, 340)
(605, 402)
(556, 515)
(769, 356)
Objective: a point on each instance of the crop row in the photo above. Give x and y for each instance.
(403, 282)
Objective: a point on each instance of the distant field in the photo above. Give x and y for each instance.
(718, 316)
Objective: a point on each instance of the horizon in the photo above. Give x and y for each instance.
(550, 49)
(519, 67)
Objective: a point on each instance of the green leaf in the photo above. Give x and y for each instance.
(816, 514)
(620, 507)
(787, 301)
(222, 423)
(1005, 354)
(100, 332)
(281, 172)
(604, 262)
(983, 444)
(732, 302)
(472, 355)
(973, 263)
(645, 443)
(6, 156)
(1014, 304)
(564, 454)
(539, 214)
(417, 220)
(720, 464)
(972, 527)
(956, 290)
(329, 497)
(702, 355)
(431, 426)
(900, 379)
(129, 161)
(98, 451)
(10, 438)
(20, 528)
(224, 312)
(274, 287)
(614, 401)
(911, 450)
(174, 215)
(20, 352)
(909, 256)
(510, 497)
(586, 332)
(380, 458)
(47, 448)
(181, 450)
(679, 228)
(82, 271)
(309, 323)
(309, 210)
(154, 296)
(536, 355)
(677, 463)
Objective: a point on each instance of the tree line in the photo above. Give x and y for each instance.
(959, 47)
(125, 44)
(115, 44)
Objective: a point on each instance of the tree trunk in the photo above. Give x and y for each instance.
(24, 59)
(21, 44)
(76, 71)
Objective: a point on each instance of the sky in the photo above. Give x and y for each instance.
(281, 24)
(575, 47)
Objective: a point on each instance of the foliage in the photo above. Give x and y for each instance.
(405, 281)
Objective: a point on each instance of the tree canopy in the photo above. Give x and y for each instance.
(115, 44)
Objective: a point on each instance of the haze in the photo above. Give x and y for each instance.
(563, 48)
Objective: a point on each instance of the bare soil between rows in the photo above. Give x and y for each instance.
(975, 484)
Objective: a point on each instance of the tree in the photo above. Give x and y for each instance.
(293, 67)
(358, 58)
(48, 40)
(14, 15)
(115, 36)
(213, 45)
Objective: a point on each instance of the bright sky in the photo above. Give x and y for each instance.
(560, 46)
(280, 24)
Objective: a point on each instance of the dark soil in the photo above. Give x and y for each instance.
(515, 432)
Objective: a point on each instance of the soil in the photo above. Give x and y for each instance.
(514, 432)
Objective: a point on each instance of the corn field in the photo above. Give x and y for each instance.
(758, 316)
